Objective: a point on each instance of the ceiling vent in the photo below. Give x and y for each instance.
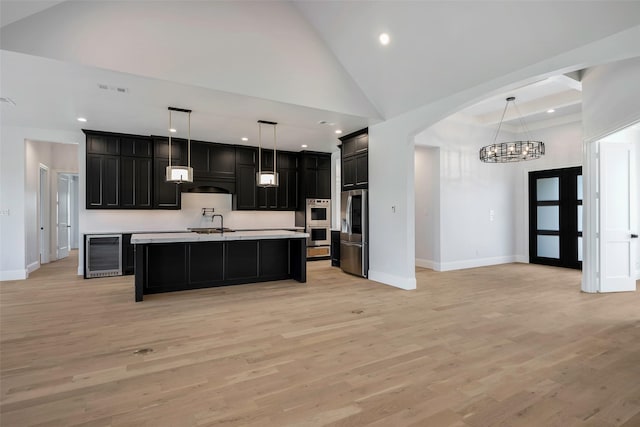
(113, 88)
(7, 100)
(324, 122)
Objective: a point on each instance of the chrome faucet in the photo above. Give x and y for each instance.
(221, 221)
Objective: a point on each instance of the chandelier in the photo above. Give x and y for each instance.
(512, 151)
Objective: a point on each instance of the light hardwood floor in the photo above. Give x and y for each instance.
(511, 345)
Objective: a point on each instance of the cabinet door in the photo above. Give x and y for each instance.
(200, 157)
(223, 161)
(362, 143)
(274, 259)
(245, 197)
(136, 182)
(241, 259)
(310, 177)
(128, 255)
(268, 198)
(178, 150)
(362, 169)
(103, 181)
(324, 184)
(103, 144)
(349, 147)
(136, 147)
(288, 190)
(169, 263)
(206, 263)
(348, 173)
(166, 194)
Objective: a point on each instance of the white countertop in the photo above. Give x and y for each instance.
(215, 237)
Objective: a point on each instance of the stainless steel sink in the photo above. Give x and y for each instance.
(210, 230)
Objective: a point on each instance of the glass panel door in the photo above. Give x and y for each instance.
(555, 217)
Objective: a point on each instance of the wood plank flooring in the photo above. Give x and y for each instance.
(511, 345)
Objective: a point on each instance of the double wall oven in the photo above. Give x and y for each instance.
(318, 225)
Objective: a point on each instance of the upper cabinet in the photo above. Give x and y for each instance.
(315, 174)
(249, 196)
(355, 160)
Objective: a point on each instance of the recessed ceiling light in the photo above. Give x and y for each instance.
(244, 138)
(384, 39)
(551, 110)
(304, 145)
(82, 119)
(172, 130)
(338, 131)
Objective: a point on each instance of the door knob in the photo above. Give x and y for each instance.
(634, 236)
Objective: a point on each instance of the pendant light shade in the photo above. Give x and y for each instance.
(267, 178)
(512, 151)
(175, 173)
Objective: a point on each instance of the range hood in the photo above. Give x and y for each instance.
(209, 186)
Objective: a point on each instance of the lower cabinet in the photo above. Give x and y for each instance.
(242, 259)
(206, 262)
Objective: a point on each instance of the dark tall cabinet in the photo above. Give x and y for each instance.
(355, 160)
(167, 194)
(315, 173)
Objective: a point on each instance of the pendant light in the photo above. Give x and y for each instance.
(512, 151)
(180, 174)
(267, 178)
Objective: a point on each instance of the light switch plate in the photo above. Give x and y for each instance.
(4, 212)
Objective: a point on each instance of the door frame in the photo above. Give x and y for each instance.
(54, 208)
(525, 249)
(44, 214)
(566, 218)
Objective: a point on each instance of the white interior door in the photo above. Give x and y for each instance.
(44, 222)
(63, 216)
(617, 217)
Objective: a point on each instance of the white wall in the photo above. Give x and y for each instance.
(469, 192)
(58, 158)
(427, 206)
(13, 191)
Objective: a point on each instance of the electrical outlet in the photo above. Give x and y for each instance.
(492, 215)
(4, 212)
(393, 209)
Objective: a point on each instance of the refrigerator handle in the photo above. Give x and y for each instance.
(349, 214)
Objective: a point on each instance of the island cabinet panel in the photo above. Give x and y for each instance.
(274, 259)
(242, 259)
(166, 266)
(206, 263)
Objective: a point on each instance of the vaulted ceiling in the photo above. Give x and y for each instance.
(294, 62)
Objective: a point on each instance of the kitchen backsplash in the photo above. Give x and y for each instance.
(189, 216)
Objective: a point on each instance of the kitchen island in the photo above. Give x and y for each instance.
(167, 262)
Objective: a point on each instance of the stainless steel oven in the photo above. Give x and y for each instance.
(318, 212)
(319, 235)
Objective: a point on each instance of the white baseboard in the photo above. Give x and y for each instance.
(13, 275)
(480, 262)
(32, 267)
(427, 263)
(522, 258)
(406, 283)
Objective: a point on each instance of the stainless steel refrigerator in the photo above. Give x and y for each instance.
(354, 232)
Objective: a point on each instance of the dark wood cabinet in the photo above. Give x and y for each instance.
(166, 195)
(274, 258)
(213, 161)
(316, 176)
(249, 196)
(242, 256)
(136, 182)
(103, 144)
(355, 160)
(128, 255)
(136, 147)
(170, 267)
(178, 150)
(245, 197)
(206, 262)
(103, 181)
